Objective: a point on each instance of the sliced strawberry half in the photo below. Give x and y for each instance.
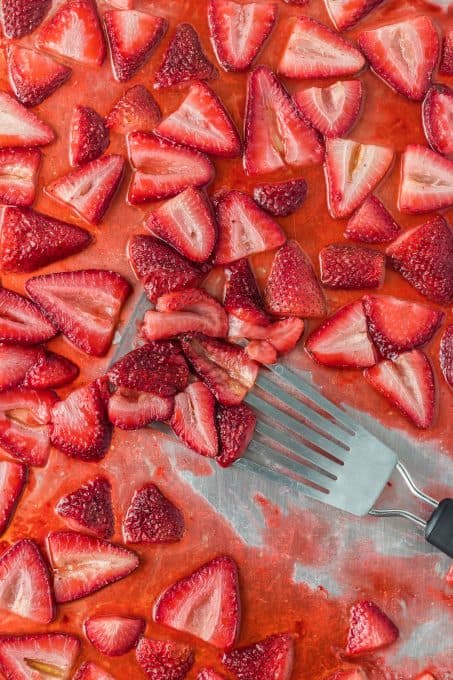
(164, 660)
(272, 657)
(281, 198)
(236, 426)
(408, 384)
(446, 61)
(18, 175)
(164, 169)
(202, 122)
(193, 420)
(332, 110)
(25, 584)
(20, 127)
(242, 296)
(21, 17)
(91, 671)
(283, 334)
(353, 171)
(369, 629)
(25, 657)
(315, 51)
(212, 589)
(403, 54)
(184, 60)
(342, 340)
(437, 111)
(30, 240)
(137, 110)
(425, 676)
(89, 507)
(75, 32)
(89, 190)
(114, 635)
(244, 229)
(21, 321)
(34, 76)
(351, 267)
(13, 478)
(238, 32)
(446, 354)
(50, 370)
(132, 409)
(275, 133)
(84, 564)
(398, 325)
(349, 674)
(372, 223)
(84, 305)
(346, 14)
(424, 256)
(152, 518)
(80, 427)
(89, 136)
(292, 288)
(209, 674)
(426, 180)
(133, 36)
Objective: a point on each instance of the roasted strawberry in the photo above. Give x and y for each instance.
(349, 674)
(342, 340)
(332, 110)
(407, 71)
(214, 283)
(281, 198)
(353, 171)
(164, 660)
(426, 180)
(238, 32)
(131, 409)
(446, 354)
(89, 507)
(89, 136)
(203, 123)
(21, 17)
(346, 14)
(22, 655)
(152, 518)
(213, 586)
(292, 288)
(372, 223)
(184, 60)
(242, 296)
(398, 325)
(262, 351)
(193, 420)
(283, 334)
(275, 133)
(424, 256)
(351, 267)
(315, 51)
(446, 61)
(50, 370)
(30, 240)
(20, 127)
(437, 111)
(18, 175)
(34, 76)
(209, 674)
(133, 36)
(136, 111)
(91, 671)
(13, 477)
(369, 629)
(21, 321)
(269, 658)
(425, 676)
(25, 583)
(84, 564)
(236, 426)
(408, 383)
(114, 635)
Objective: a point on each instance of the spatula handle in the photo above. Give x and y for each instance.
(439, 527)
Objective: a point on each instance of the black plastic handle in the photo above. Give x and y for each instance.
(439, 527)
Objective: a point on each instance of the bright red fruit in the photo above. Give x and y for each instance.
(437, 114)
(21, 654)
(21, 127)
(209, 674)
(242, 296)
(15, 362)
(184, 60)
(13, 477)
(446, 354)
(426, 180)
(50, 370)
(21, 321)
(369, 629)
(152, 518)
(283, 334)
(114, 635)
(89, 136)
(132, 409)
(346, 13)
(446, 61)
(349, 674)
(281, 198)
(372, 223)
(262, 351)
(18, 175)
(34, 76)
(164, 660)
(272, 657)
(136, 110)
(351, 267)
(21, 17)
(193, 420)
(236, 426)
(91, 671)
(332, 110)
(89, 507)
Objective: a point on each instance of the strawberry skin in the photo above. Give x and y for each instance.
(54, 652)
(22, 17)
(89, 507)
(89, 136)
(269, 658)
(21, 321)
(350, 674)
(50, 370)
(152, 518)
(164, 660)
(114, 635)
(34, 76)
(13, 478)
(283, 334)
(242, 296)
(18, 175)
(184, 60)
(369, 629)
(372, 223)
(437, 112)
(351, 267)
(209, 674)
(131, 409)
(346, 14)
(281, 199)
(236, 426)
(193, 420)
(426, 181)
(446, 61)
(446, 354)
(91, 671)
(27, 130)
(332, 110)
(136, 111)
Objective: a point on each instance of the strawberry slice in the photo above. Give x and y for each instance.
(426, 181)
(203, 123)
(244, 229)
(21, 17)
(133, 409)
(91, 671)
(164, 169)
(349, 674)
(20, 127)
(18, 175)
(89, 507)
(21, 321)
(164, 660)
(75, 32)
(209, 674)
(272, 657)
(446, 354)
(25, 584)
(283, 334)
(80, 427)
(425, 676)
(30, 240)
(292, 288)
(214, 282)
(403, 54)
(34, 76)
(332, 110)
(13, 478)
(27, 657)
(89, 136)
(351, 267)
(372, 223)
(89, 190)
(184, 60)
(84, 564)
(408, 383)
(50, 370)
(187, 223)
(398, 325)
(369, 629)
(281, 199)
(346, 14)
(446, 61)
(238, 32)
(315, 51)
(212, 589)
(186, 311)
(137, 110)
(242, 296)
(437, 112)
(152, 518)
(193, 420)
(114, 635)
(424, 256)
(236, 426)
(133, 36)
(353, 171)
(83, 305)
(342, 340)
(275, 133)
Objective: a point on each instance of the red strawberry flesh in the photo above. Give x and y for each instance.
(51, 370)
(351, 267)
(34, 76)
(114, 635)
(193, 420)
(20, 127)
(152, 518)
(13, 477)
(89, 136)
(369, 629)
(372, 223)
(236, 426)
(332, 110)
(184, 60)
(281, 199)
(18, 175)
(437, 111)
(272, 657)
(21, 17)
(242, 296)
(137, 110)
(446, 354)
(21, 321)
(25, 656)
(133, 409)
(89, 507)
(426, 181)
(164, 660)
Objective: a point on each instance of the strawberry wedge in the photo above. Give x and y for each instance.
(53, 653)
(133, 409)
(114, 635)
(193, 420)
(332, 110)
(184, 60)
(21, 127)
(152, 518)
(372, 223)
(370, 629)
(426, 181)
(34, 76)
(351, 267)
(347, 13)
(437, 112)
(89, 507)
(50, 370)
(236, 426)
(21, 17)
(446, 354)
(135, 111)
(164, 659)
(21, 321)
(242, 296)
(18, 175)
(89, 136)
(13, 478)
(269, 658)
(91, 671)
